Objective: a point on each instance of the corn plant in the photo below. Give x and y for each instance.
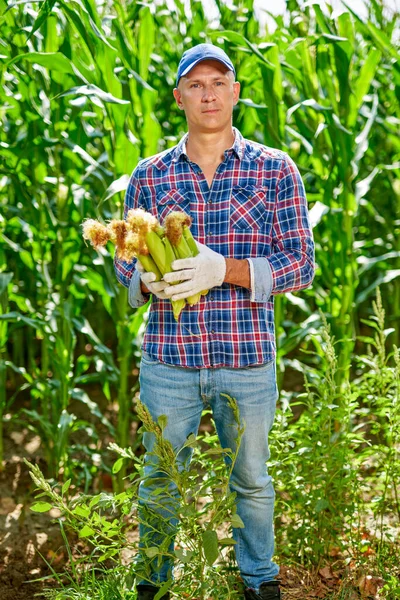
(86, 91)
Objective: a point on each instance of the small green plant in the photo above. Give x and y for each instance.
(337, 466)
(314, 465)
(206, 510)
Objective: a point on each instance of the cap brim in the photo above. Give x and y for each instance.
(196, 62)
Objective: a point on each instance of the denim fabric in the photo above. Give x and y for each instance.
(182, 394)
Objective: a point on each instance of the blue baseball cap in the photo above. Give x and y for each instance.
(192, 56)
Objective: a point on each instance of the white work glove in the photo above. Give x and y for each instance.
(149, 280)
(202, 272)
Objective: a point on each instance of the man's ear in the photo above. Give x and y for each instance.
(236, 92)
(178, 97)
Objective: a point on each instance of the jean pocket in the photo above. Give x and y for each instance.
(264, 367)
(149, 360)
(248, 208)
(172, 199)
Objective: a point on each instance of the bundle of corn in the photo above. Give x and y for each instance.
(142, 237)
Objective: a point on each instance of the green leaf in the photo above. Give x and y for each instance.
(81, 511)
(119, 185)
(152, 551)
(382, 278)
(65, 487)
(92, 90)
(363, 81)
(237, 522)
(146, 39)
(117, 465)
(86, 531)
(5, 279)
(163, 589)
(162, 421)
(108, 554)
(210, 546)
(309, 102)
(184, 555)
(44, 12)
(41, 507)
(227, 542)
(321, 505)
(49, 60)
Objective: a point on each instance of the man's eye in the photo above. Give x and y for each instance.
(194, 84)
(219, 82)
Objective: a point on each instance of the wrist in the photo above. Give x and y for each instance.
(144, 289)
(237, 272)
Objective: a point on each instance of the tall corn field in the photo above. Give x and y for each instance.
(86, 92)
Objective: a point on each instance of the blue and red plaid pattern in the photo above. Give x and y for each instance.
(256, 207)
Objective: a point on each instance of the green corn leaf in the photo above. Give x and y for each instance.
(163, 590)
(93, 90)
(50, 60)
(44, 12)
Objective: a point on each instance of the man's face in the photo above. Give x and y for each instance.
(208, 94)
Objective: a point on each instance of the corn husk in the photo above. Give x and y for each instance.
(177, 230)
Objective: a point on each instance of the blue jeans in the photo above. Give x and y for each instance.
(182, 394)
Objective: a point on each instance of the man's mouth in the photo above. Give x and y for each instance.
(212, 110)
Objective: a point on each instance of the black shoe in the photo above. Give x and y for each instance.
(268, 591)
(147, 592)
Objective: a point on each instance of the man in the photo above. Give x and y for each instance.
(250, 217)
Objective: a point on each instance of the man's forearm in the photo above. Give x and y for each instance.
(144, 289)
(238, 272)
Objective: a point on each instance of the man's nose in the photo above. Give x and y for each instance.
(208, 93)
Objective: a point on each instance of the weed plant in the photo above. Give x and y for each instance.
(206, 510)
(337, 467)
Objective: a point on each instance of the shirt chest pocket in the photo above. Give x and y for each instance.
(248, 207)
(172, 199)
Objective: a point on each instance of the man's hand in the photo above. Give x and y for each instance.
(148, 280)
(202, 272)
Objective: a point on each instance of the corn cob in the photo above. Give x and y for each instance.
(134, 246)
(163, 254)
(177, 229)
(187, 234)
(177, 305)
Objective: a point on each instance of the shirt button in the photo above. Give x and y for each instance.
(209, 233)
(212, 331)
(210, 202)
(211, 297)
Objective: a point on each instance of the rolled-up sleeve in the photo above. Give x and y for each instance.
(260, 279)
(291, 265)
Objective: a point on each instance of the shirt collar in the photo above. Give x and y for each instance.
(237, 147)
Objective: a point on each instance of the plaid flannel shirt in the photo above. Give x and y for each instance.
(257, 210)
